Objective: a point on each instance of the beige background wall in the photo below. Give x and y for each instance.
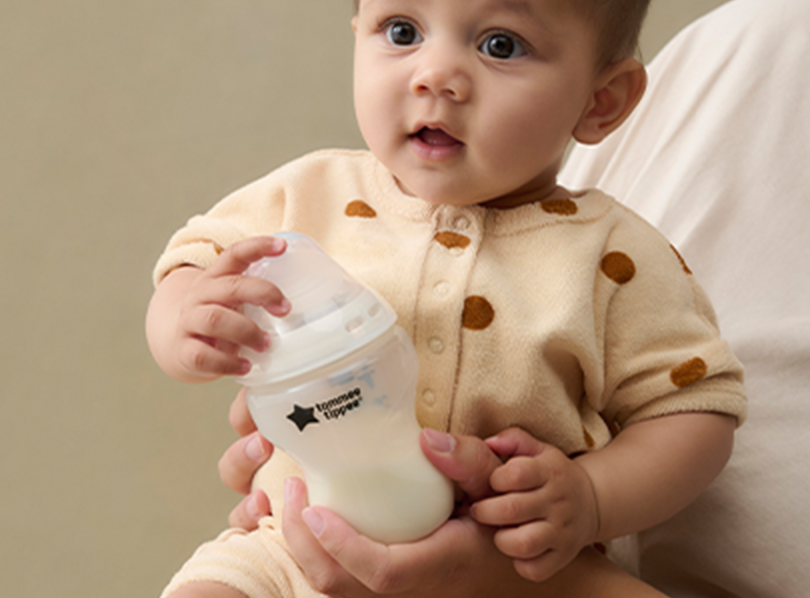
(118, 120)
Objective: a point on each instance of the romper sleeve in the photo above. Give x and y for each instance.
(256, 209)
(662, 349)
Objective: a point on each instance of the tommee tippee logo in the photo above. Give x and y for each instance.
(331, 409)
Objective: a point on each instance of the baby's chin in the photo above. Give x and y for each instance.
(439, 195)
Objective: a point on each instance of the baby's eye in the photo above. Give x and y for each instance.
(502, 46)
(402, 33)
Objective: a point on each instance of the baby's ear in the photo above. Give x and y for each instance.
(616, 93)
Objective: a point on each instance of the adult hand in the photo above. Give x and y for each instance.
(239, 464)
(458, 559)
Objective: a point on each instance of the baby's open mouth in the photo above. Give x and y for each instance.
(435, 137)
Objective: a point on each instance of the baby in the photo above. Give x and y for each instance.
(556, 324)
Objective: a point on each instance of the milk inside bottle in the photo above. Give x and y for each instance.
(336, 392)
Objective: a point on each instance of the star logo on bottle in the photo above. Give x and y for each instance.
(303, 416)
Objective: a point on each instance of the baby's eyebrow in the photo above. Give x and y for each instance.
(524, 9)
(371, 2)
(519, 6)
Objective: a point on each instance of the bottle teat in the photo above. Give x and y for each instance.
(332, 313)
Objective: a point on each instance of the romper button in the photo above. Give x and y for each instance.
(429, 398)
(442, 288)
(436, 345)
(461, 223)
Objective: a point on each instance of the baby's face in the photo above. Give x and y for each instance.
(470, 101)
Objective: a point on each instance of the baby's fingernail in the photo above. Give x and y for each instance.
(244, 366)
(314, 521)
(278, 245)
(439, 441)
(265, 344)
(255, 449)
(280, 309)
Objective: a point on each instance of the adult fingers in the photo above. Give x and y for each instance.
(239, 415)
(249, 511)
(242, 459)
(466, 460)
(412, 568)
(325, 574)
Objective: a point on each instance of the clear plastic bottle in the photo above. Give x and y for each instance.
(336, 391)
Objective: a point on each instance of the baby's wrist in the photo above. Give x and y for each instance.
(596, 526)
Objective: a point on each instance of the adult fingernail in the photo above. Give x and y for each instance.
(314, 521)
(252, 507)
(439, 441)
(288, 490)
(255, 448)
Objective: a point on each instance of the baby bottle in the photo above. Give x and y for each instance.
(336, 392)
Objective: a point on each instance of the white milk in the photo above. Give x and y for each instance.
(394, 501)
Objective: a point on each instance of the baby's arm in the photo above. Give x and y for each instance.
(655, 468)
(549, 506)
(194, 325)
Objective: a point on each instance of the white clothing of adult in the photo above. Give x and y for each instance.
(717, 156)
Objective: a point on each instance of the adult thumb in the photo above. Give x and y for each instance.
(467, 460)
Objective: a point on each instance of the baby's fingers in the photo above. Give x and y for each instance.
(230, 328)
(508, 509)
(236, 258)
(525, 542)
(202, 357)
(520, 474)
(235, 290)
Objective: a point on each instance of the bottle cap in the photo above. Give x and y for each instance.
(332, 314)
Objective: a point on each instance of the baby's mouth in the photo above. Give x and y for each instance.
(435, 138)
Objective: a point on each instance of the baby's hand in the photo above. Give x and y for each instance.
(545, 508)
(210, 325)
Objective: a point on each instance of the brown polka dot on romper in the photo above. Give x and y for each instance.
(563, 207)
(478, 313)
(452, 240)
(680, 259)
(688, 373)
(618, 267)
(360, 209)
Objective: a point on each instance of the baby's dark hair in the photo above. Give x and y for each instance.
(618, 26)
(617, 22)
